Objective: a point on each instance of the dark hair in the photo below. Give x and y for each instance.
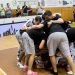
(44, 55)
(47, 64)
(45, 59)
(48, 12)
(38, 18)
(7, 3)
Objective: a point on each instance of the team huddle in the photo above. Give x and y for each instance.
(50, 30)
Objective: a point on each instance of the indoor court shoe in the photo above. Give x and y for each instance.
(19, 65)
(33, 73)
(70, 72)
(54, 73)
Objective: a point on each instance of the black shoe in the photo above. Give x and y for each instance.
(54, 73)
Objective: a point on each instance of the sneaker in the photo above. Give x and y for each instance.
(19, 65)
(70, 72)
(33, 73)
(25, 69)
(54, 73)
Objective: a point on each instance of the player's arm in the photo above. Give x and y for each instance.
(34, 27)
(41, 46)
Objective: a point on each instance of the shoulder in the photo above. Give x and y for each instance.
(28, 23)
(56, 16)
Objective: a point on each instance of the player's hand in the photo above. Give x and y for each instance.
(49, 23)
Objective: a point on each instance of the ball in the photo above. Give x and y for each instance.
(12, 21)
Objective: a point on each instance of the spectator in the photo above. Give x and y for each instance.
(29, 10)
(39, 9)
(8, 11)
(74, 12)
(25, 8)
(2, 11)
(18, 11)
(43, 2)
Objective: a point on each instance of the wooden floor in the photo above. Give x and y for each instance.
(8, 52)
(72, 25)
(7, 42)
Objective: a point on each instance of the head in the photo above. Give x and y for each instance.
(38, 3)
(37, 20)
(1, 5)
(8, 4)
(48, 15)
(24, 3)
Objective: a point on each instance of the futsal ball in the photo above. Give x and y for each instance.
(12, 21)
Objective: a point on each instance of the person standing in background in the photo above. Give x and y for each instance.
(39, 9)
(24, 9)
(18, 10)
(2, 11)
(74, 12)
(29, 10)
(42, 2)
(8, 11)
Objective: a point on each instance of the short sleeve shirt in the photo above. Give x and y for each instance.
(25, 9)
(37, 35)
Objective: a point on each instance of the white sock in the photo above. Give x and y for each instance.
(29, 72)
(25, 66)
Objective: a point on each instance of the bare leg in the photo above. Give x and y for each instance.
(25, 68)
(26, 59)
(21, 56)
(31, 60)
(71, 64)
(53, 61)
(20, 59)
(68, 68)
(30, 64)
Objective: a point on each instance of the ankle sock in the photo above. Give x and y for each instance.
(25, 66)
(29, 72)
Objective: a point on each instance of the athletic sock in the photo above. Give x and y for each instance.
(29, 72)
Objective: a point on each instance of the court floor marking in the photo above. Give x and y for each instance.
(3, 71)
(8, 48)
